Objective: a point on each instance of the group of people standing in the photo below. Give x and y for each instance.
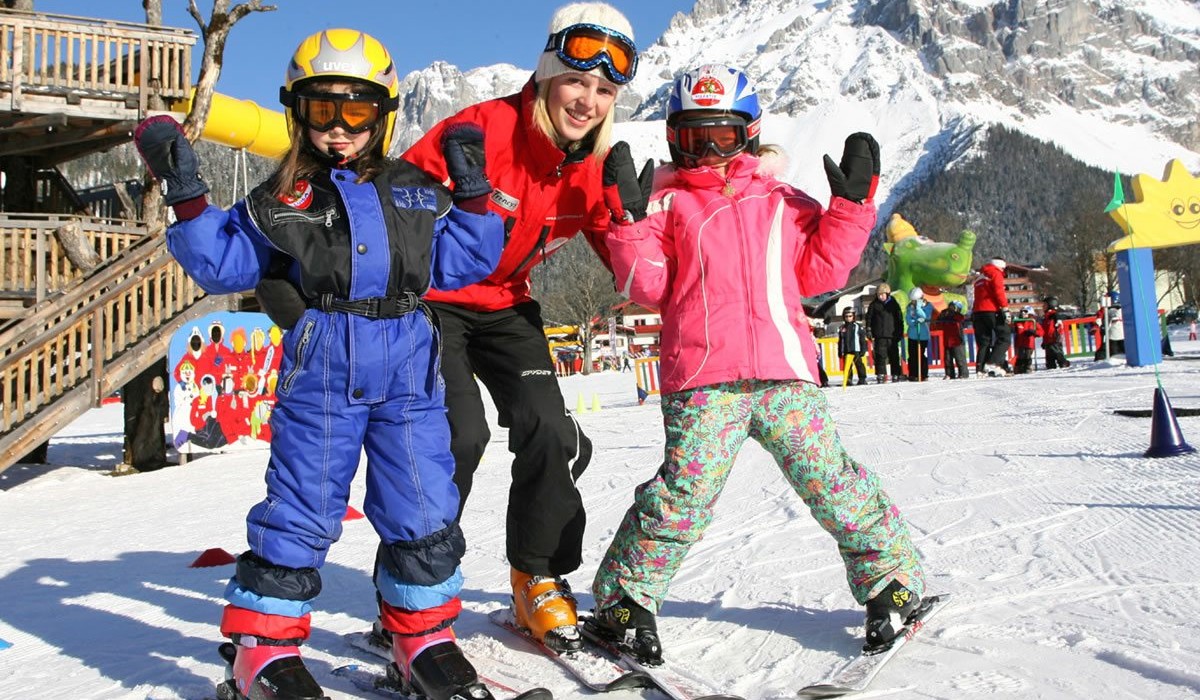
(404, 284)
(887, 324)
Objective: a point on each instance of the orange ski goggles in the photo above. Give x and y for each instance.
(586, 46)
(321, 111)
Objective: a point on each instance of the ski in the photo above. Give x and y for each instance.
(675, 683)
(857, 673)
(386, 681)
(595, 669)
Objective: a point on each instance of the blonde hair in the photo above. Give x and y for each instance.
(601, 135)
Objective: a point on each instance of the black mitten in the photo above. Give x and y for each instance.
(170, 158)
(626, 194)
(857, 176)
(462, 147)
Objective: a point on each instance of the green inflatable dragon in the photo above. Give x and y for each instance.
(916, 261)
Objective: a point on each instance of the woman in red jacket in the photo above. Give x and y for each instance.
(545, 147)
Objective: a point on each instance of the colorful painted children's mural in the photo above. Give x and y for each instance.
(224, 370)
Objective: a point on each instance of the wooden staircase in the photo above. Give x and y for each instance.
(86, 335)
(70, 86)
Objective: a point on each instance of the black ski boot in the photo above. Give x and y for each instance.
(631, 626)
(888, 613)
(441, 672)
(264, 672)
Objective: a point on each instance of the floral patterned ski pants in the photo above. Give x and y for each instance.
(705, 429)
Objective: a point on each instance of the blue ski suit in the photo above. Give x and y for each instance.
(359, 372)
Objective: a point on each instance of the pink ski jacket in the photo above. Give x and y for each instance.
(727, 261)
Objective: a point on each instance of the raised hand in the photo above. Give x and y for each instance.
(857, 176)
(170, 158)
(625, 193)
(462, 147)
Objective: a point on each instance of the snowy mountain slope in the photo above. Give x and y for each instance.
(1114, 83)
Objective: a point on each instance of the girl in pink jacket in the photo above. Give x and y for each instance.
(726, 252)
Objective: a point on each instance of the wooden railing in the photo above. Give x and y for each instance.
(70, 351)
(93, 58)
(33, 262)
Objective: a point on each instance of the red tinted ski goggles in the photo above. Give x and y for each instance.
(720, 136)
(586, 46)
(321, 111)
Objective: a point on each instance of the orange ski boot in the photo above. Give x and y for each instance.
(544, 606)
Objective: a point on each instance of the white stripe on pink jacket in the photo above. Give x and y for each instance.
(728, 272)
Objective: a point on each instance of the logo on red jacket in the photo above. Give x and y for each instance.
(707, 91)
(300, 197)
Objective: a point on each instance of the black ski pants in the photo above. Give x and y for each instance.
(992, 338)
(507, 351)
(886, 354)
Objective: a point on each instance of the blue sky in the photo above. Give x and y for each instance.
(466, 33)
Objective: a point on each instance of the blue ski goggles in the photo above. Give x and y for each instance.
(586, 46)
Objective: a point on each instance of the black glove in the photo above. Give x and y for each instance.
(170, 158)
(462, 147)
(858, 174)
(626, 194)
(281, 301)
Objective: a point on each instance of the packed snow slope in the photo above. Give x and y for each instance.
(1074, 561)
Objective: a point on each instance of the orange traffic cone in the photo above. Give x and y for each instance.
(1166, 439)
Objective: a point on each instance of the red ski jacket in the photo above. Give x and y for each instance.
(544, 196)
(1051, 328)
(989, 290)
(1028, 331)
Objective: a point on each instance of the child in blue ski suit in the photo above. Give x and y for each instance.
(363, 237)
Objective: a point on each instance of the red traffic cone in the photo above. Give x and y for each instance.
(1166, 440)
(213, 557)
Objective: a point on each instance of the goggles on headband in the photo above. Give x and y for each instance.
(586, 46)
(721, 136)
(321, 111)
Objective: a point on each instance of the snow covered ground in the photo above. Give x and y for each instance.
(1074, 561)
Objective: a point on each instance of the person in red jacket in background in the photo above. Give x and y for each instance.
(954, 353)
(1052, 336)
(545, 150)
(1027, 330)
(989, 316)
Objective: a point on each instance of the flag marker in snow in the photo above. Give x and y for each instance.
(352, 514)
(213, 557)
(1166, 439)
(4, 644)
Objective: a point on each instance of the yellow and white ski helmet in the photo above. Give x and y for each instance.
(348, 54)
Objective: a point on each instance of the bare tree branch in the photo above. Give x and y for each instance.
(216, 33)
(574, 288)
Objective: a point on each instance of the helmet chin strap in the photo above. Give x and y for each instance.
(330, 158)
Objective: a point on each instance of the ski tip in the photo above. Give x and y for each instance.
(631, 681)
